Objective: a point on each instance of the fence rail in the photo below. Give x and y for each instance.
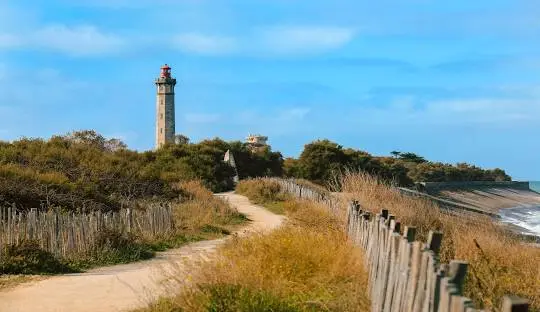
(405, 275)
(64, 234)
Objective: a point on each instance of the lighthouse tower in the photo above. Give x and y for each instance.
(165, 128)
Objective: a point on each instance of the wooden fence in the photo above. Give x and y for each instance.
(65, 234)
(405, 275)
(304, 192)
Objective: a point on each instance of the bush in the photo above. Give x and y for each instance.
(261, 191)
(85, 171)
(28, 258)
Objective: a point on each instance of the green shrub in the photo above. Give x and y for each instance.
(28, 258)
(113, 247)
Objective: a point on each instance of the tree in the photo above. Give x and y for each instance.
(320, 159)
(412, 157)
(114, 145)
(292, 168)
(180, 139)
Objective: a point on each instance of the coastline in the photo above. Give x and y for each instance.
(525, 218)
(492, 199)
(517, 204)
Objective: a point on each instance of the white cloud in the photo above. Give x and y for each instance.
(485, 110)
(8, 41)
(273, 40)
(204, 44)
(492, 111)
(201, 118)
(78, 40)
(303, 39)
(81, 40)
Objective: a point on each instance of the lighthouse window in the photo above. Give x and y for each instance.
(160, 130)
(161, 116)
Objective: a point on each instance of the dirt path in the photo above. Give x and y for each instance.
(124, 287)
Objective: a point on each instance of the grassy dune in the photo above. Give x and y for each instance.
(264, 192)
(306, 265)
(499, 263)
(199, 215)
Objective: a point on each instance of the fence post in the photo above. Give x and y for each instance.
(514, 304)
(457, 272)
(409, 233)
(9, 226)
(128, 215)
(434, 241)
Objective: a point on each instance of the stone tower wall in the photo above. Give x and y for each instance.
(165, 121)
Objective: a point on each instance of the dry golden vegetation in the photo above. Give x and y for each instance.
(10, 281)
(197, 216)
(264, 192)
(261, 190)
(306, 265)
(202, 211)
(499, 263)
(320, 189)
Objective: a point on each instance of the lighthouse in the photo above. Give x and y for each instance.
(165, 127)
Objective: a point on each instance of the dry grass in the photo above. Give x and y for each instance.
(202, 210)
(264, 192)
(320, 189)
(10, 281)
(198, 216)
(306, 265)
(499, 263)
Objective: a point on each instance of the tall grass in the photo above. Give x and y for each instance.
(198, 215)
(201, 210)
(499, 263)
(306, 265)
(261, 191)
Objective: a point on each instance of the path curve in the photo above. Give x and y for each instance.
(128, 286)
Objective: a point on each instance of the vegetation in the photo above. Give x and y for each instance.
(499, 263)
(322, 159)
(264, 192)
(10, 281)
(306, 265)
(199, 216)
(83, 171)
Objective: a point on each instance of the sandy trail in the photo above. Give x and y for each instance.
(124, 287)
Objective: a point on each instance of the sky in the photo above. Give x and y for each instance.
(454, 81)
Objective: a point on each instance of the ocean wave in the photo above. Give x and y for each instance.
(526, 217)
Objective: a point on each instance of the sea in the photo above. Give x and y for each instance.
(526, 217)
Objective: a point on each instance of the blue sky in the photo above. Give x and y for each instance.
(451, 80)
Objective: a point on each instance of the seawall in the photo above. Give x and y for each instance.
(488, 197)
(431, 187)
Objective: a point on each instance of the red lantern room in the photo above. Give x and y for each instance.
(165, 71)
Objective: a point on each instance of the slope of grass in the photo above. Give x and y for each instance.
(198, 216)
(306, 265)
(264, 192)
(499, 263)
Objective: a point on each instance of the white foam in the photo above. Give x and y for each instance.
(526, 217)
